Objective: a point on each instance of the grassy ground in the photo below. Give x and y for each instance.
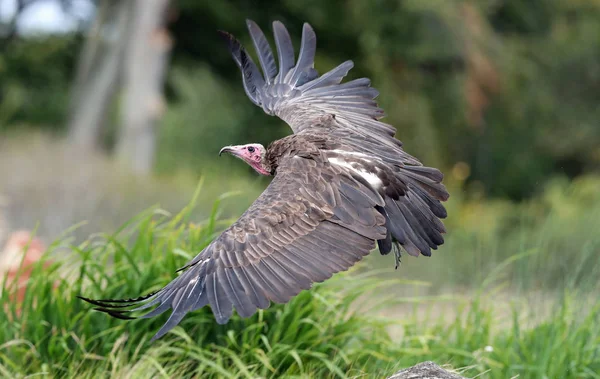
(512, 293)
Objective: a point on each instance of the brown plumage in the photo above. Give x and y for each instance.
(341, 183)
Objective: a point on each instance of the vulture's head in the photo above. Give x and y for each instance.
(252, 153)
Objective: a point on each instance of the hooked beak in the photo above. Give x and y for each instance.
(226, 149)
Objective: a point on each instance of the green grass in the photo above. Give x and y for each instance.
(358, 324)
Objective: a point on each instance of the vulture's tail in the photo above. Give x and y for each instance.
(413, 219)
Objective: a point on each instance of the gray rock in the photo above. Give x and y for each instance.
(425, 370)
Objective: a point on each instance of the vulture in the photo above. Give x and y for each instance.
(342, 184)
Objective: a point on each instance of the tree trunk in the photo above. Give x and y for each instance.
(145, 63)
(98, 73)
(4, 228)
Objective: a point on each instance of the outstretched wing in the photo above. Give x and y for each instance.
(298, 95)
(313, 220)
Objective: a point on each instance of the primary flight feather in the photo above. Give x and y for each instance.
(341, 185)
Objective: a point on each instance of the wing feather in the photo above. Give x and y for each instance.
(251, 77)
(299, 95)
(281, 245)
(235, 291)
(220, 303)
(285, 50)
(265, 54)
(319, 272)
(252, 289)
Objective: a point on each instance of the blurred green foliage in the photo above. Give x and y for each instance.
(510, 88)
(35, 76)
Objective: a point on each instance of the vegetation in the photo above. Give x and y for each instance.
(501, 95)
(508, 88)
(356, 325)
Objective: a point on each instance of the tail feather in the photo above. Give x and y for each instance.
(413, 220)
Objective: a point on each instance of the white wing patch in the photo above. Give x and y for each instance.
(370, 177)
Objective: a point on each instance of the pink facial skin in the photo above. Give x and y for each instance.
(251, 153)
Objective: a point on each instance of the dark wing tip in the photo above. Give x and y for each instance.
(112, 306)
(99, 303)
(232, 43)
(112, 310)
(116, 314)
(118, 301)
(226, 36)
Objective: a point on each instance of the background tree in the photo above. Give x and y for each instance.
(144, 67)
(504, 89)
(99, 72)
(126, 49)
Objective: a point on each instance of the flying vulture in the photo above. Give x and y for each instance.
(341, 184)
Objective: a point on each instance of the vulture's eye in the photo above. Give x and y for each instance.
(251, 149)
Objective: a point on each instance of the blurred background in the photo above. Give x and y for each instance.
(109, 107)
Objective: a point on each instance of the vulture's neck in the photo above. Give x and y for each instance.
(305, 146)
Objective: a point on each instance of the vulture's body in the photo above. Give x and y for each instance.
(342, 185)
